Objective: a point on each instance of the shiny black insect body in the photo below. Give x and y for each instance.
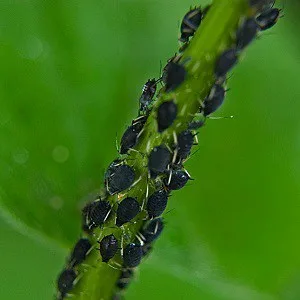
(225, 62)
(268, 18)
(246, 33)
(173, 76)
(166, 114)
(185, 142)
(148, 93)
(214, 100)
(125, 278)
(177, 180)
(130, 136)
(132, 255)
(152, 230)
(190, 22)
(108, 247)
(127, 210)
(159, 159)
(79, 252)
(98, 213)
(65, 282)
(120, 178)
(157, 203)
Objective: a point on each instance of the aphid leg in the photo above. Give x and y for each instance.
(170, 177)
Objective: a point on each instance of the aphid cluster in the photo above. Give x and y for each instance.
(118, 207)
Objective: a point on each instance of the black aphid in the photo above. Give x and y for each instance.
(108, 247)
(79, 252)
(65, 281)
(120, 179)
(225, 62)
(246, 33)
(127, 210)
(185, 142)
(194, 125)
(125, 278)
(190, 22)
(157, 203)
(268, 18)
(130, 136)
(159, 159)
(214, 100)
(178, 179)
(99, 213)
(148, 93)
(132, 255)
(174, 74)
(152, 230)
(166, 114)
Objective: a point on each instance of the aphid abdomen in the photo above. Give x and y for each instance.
(225, 62)
(108, 247)
(132, 255)
(121, 179)
(159, 159)
(157, 203)
(127, 210)
(65, 281)
(79, 252)
(166, 115)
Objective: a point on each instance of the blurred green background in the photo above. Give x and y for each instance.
(71, 75)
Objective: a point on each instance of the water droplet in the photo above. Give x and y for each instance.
(56, 202)
(20, 156)
(60, 154)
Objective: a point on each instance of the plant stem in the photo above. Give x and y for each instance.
(216, 33)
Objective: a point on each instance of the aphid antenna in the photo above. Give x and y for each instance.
(219, 118)
(136, 182)
(191, 155)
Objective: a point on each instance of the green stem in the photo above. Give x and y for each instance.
(216, 33)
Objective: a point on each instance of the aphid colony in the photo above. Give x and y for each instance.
(165, 162)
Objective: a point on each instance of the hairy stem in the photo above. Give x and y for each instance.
(217, 32)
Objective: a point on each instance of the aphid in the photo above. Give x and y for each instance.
(246, 33)
(190, 22)
(125, 278)
(214, 100)
(79, 252)
(159, 159)
(131, 134)
(185, 142)
(177, 180)
(108, 247)
(174, 74)
(152, 230)
(225, 62)
(127, 210)
(132, 255)
(120, 179)
(194, 125)
(148, 93)
(157, 203)
(65, 281)
(99, 213)
(268, 18)
(166, 114)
